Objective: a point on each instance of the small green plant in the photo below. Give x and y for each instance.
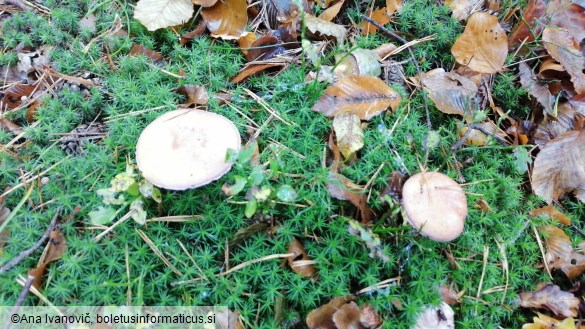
(261, 192)
(126, 189)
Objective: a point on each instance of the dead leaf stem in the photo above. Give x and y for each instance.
(6, 267)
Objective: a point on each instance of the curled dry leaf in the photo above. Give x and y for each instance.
(227, 19)
(56, 247)
(551, 212)
(322, 317)
(558, 168)
(537, 89)
(365, 96)
(385, 49)
(441, 317)
(341, 188)
(560, 253)
(266, 47)
(349, 133)
(300, 262)
(569, 15)
(561, 46)
(393, 6)
(463, 8)
(533, 13)
(157, 14)
(194, 95)
(246, 40)
(320, 27)
(252, 69)
(379, 16)
(547, 322)
(551, 297)
(197, 32)
(330, 13)
(483, 46)
(141, 50)
(14, 96)
(567, 117)
(451, 92)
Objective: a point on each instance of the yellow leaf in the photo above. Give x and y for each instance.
(350, 136)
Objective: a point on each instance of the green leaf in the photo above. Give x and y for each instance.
(139, 214)
(236, 188)
(522, 159)
(246, 154)
(156, 195)
(133, 190)
(251, 207)
(286, 193)
(257, 175)
(102, 216)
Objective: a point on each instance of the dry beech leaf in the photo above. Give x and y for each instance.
(194, 95)
(551, 297)
(341, 188)
(348, 316)
(560, 253)
(451, 93)
(385, 49)
(348, 132)
(56, 247)
(252, 69)
(322, 317)
(393, 6)
(379, 16)
(566, 118)
(537, 89)
(441, 317)
(533, 12)
(141, 50)
(569, 15)
(483, 46)
(322, 27)
(546, 322)
(365, 96)
(551, 212)
(10, 126)
(300, 262)
(204, 3)
(13, 96)
(359, 62)
(463, 8)
(157, 14)
(246, 40)
(477, 137)
(227, 19)
(197, 32)
(558, 168)
(561, 46)
(265, 48)
(330, 13)
(449, 295)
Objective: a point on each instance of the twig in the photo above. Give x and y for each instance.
(21, 298)
(418, 70)
(6, 267)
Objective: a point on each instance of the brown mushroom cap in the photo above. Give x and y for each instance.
(435, 205)
(186, 148)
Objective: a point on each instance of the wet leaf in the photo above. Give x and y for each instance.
(561, 46)
(227, 19)
(558, 168)
(441, 317)
(141, 50)
(537, 89)
(10, 126)
(349, 134)
(322, 317)
(551, 297)
(300, 262)
(266, 47)
(341, 188)
(320, 27)
(56, 247)
(560, 253)
(569, 15)
(365, 96)
(531, 16)
(546, 322)
(551, 212)
(451, 93)
(157, 14)
(379, 16)
(463, 8)
(483, 46)
(16, 95)
(194, 95)
(330, 13)
(253, 69)
(567, 115)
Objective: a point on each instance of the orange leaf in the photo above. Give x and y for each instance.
(56, 248)
(546, 322)
(245, 41)
(227, 19)
(551, 212)
(379, 16)
(141, 50)
(551, 297)
(194, 95)
(561, 46)
(363, 96)
(560, 253)
(249, 70)
(558, 168)
(322, 317)
(393, 6)
(300, 262)
(483, 46)
(330, 13)
(462, 8)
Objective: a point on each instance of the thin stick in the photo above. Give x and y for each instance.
(122, 220)
(486, 253)
(542, 251)
(32, 249)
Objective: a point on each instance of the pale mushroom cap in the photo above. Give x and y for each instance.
(186, 148)
(435, 205)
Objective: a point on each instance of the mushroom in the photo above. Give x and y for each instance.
(435, 205)
(186, 148)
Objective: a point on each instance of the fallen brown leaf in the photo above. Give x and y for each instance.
(380, 16)
(449, 296)
(141, 50)
(300, 262)
(10, 126)
(330, 13)
(322, 317)
(566, 118)
(341, 188)
(561, 46)
(56, 247)
(483, 46)
(349, 134)
(551, 297)
(451, 93)
(533, 13)
(197, 32)
(16, 95)
(364, 96)
(252, 69)
(551, 212)
(546, 322)
(462, 8)
(393, 6)
(569, 15)
(246, 40)
(322, 28)
(558, 168)
(266, 47)
(384, 49)
(194, 95)
(227, 19)
(560, 253)
(362, 62)
(537, 89)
